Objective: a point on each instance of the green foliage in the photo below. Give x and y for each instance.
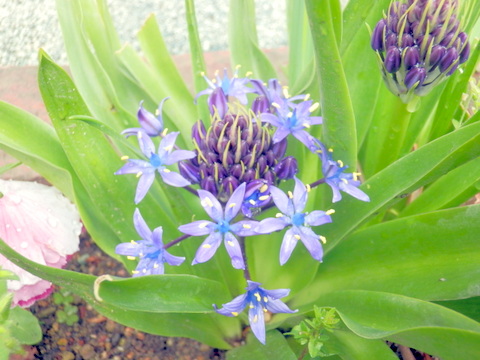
(402, 267)
(69, 312)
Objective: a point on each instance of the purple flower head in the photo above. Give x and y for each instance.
(257, 194)
(150, 249)
(292, 119)
(335, 177)
(258, 301)
(221, 228)
(231, 87)
(152, 125)
(292, 215)
(157, 161)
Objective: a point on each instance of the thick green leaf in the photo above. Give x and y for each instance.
(210, 329)
(469, 307)
(441, 194)
(276, 347)
(24, 326)
(402, 177)
(431, 256)
(179, 294)
(243, 41)
(353, 347)
(338, 118)
(422, 325)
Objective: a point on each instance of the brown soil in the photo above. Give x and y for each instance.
(97, 337)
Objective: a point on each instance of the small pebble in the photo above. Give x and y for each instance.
(87, 351)
(67, 355)
(62, 342)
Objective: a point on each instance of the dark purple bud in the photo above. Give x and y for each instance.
(287, 168)
(260, 105)
(209, 184)
(392, 60)
(204, 171)
(415, 77)
(280, 148)
(198, 132)
(435, 32)
(411, 57)
(391, 40)
(152, 125)
(218, 171)
(447, 39)
(229, 185)
(465, 51)
(237, 171)
(218, 101)
(271, 159)
(378, 35)
(448, 59)
(217, 128)
(269, 176)
(189, 171)
(407, 40)
(392, 22)
(261, 164)
(249, 175)
(222, 145)
(437, 53)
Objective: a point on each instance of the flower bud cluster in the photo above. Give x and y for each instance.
(419, 43)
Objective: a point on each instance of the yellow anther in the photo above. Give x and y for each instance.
(216, 72)
(290, 195)
(231, 243)
(234, 313)
(257, 296)
(202, 73)
(140, 135)
(251, 201)
(124, 157)
(318, 151)
(238, 67)
(255, 318)
(345, 180)
(340, 163)
(144, 271)
(263, 188)
(330, 212)
(203, 225)
(206, 246)
(157, 112)
(313, 107)
(168, 148)
(133, 242)
(307, 97)
(251, 306)
(248, 74)
(246, 226)
(323, 239)
(265, 299)
(285, 92)
(139, 174)
(279, 215)
(131, 257)
(232, 205)
(206, 202)
(164, 132)
(309, 188)
(330, 150)
(265, 310)
(356, 175)
(135, 272)
(166, 171)
(263, 197)
(275, 105)
(290, 114)
(296, 236)
(155, 266)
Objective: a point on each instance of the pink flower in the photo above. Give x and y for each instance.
(38, 222)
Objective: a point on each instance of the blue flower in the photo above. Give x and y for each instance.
(258, 301)
(270, 93)
(231, 87)
(292, 119)
(221, 228)
(293, 216)
(335, 177)
(150, 249)
(145, 169)
(152, 125)
(257, 194)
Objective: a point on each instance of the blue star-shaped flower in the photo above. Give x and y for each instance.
(258, 301)
(150, 249)
(145, 169)
(292, 119)
(221, 228)
(292, 216)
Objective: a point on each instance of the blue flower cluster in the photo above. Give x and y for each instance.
(238, 164)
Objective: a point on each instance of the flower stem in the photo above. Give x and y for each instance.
(246, 273)
(176, 241)
(191, 190)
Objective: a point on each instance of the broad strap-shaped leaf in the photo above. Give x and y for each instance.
(243, 41)
(211, 329)
(431, 256)
(416, 169)
(422, 325)
(276, 347)
(24, 326)
(338, 118)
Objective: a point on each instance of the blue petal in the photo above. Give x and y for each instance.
(300, 195)
(288, 244)
(172, 178)
(245, 228)
(235, 202)
(257, 322)
(146, 144)
(208, 248)
(354, 191)
(278, 306)
(144, 184)
(141, 226)
(211, 205)
(317, 218)
(172, 259)
(178, 155)
(129, 249)
(234, 307)
(311, 242)
(234, 251)
(269, 225)
(198, 228)
(157, 237)
(281, 200)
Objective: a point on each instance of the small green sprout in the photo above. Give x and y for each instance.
(69, 314)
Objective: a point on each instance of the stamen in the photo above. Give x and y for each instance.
(234, 313)
(345, 180)
(124, 157)
(248, 74)
(279, 215)
(206, 202)
(313, 107)
(133, 242)
(168, 148)
(206, 246)
(251, 201)
(139, 174)
(232, 205)
(306, 125)
(296, 236)
(330, 212)
(257, 296)
(285, 92)
(231, 243)
(264, 188)
(166, 171)
(164, 132)
(131, 258)
(306, 97)
(155, 266)
(263, 197)
(309, 188)
(251, 306)
(246, 226)
(340, 163)
(135, 272)
(290, 195)
(265, 299)
(323, 239)
(274, 104)
(330, 150)
(290, 114)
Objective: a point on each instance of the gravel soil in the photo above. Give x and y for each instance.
(96, 337)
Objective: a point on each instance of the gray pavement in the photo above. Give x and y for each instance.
(27, 25)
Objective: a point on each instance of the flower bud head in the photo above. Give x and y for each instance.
(287, 168)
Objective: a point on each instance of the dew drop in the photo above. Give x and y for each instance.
(24, 245)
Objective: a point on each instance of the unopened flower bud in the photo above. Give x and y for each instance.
(217, 102)
(287, 168)
(189, 171)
